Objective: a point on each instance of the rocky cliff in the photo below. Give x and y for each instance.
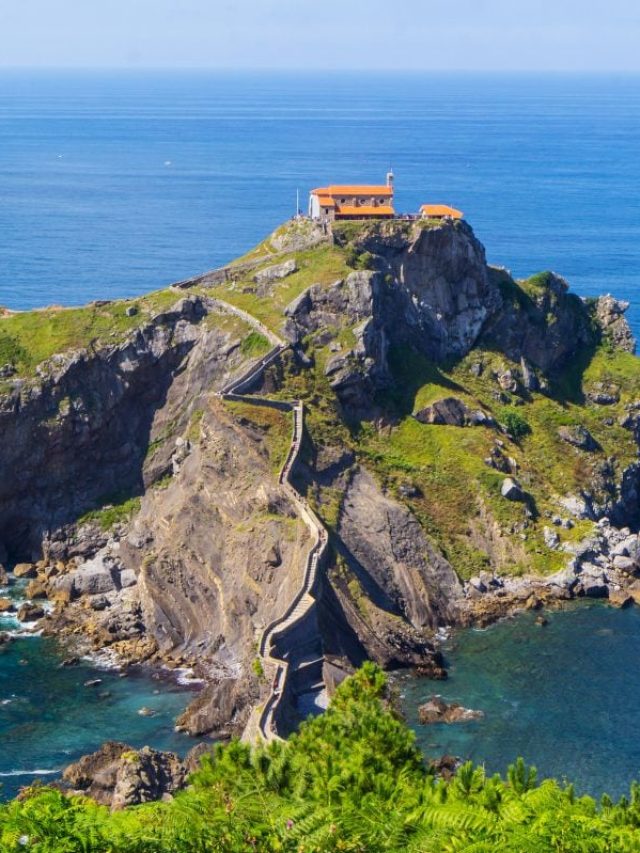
(470, 443)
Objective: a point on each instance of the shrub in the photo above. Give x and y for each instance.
(515, 424)
(365, 261)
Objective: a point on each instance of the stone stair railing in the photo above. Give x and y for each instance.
(303, 600)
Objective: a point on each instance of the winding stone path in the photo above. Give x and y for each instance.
(277, 668)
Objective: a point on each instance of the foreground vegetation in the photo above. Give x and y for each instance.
(351, 780)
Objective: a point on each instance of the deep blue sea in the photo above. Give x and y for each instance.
(115, 184)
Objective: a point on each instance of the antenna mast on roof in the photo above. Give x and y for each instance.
(390, 177)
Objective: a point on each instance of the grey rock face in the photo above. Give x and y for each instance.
(222, 707)
(81, 432)
(512, 490)
(544, 328)
(610, 313)
(578, 436)
(577, 505)
(529, 378)
(355, 373)
(551, 538)
(441, 295)
(275, 272)
(453, 412)
(118, 776)
(389, 545)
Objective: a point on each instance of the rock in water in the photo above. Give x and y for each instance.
(30, 612)
(24, 570)
(620, 598)
(117, 775)
(436, 710)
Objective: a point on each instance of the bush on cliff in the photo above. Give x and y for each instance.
(350, 780)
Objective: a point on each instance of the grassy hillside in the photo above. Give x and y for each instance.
(456, 494)
(28, 338)
(350, 780)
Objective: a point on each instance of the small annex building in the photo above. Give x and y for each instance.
(352, 201)
(440, 211)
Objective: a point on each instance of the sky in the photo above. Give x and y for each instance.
(442, 35)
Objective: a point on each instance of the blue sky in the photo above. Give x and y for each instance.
(323, 34)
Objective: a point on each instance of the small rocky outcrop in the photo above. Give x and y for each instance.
(29, 612)
(453, 412)
(578, 436)
(543, 324)
(297, 235)
(512, 490)
(116, 775)
(610, 313)
(222, 707)
(604, 393)
(24, 570)
(436, 710)
(445, 767)
(439, 295)
(263, 278)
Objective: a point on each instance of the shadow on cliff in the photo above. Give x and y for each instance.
(411, 371)
(67, 459)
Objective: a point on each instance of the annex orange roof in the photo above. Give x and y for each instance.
(441, 210)
(365, 210)
(354, 189)
(326, 201)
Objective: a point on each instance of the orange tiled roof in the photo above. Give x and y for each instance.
(365, 210)
(354, 189)
(441, 210)
(326, 201)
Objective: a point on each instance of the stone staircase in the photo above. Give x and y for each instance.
(264, 720)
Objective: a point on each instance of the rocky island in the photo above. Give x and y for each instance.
(466, 443)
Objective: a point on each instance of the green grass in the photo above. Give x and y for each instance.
(254, 344)
(322, 265)
(29, 338)
(114, 513)
(461, 507)
(274, 426)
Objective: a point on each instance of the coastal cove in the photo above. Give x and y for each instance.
(564, 696)
(51, 715)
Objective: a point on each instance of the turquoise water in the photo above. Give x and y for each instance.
(49, 718)
(566, 697)
(114, 184)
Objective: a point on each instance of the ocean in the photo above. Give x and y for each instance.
(114, 184)
(566, 697)
(51, 714)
